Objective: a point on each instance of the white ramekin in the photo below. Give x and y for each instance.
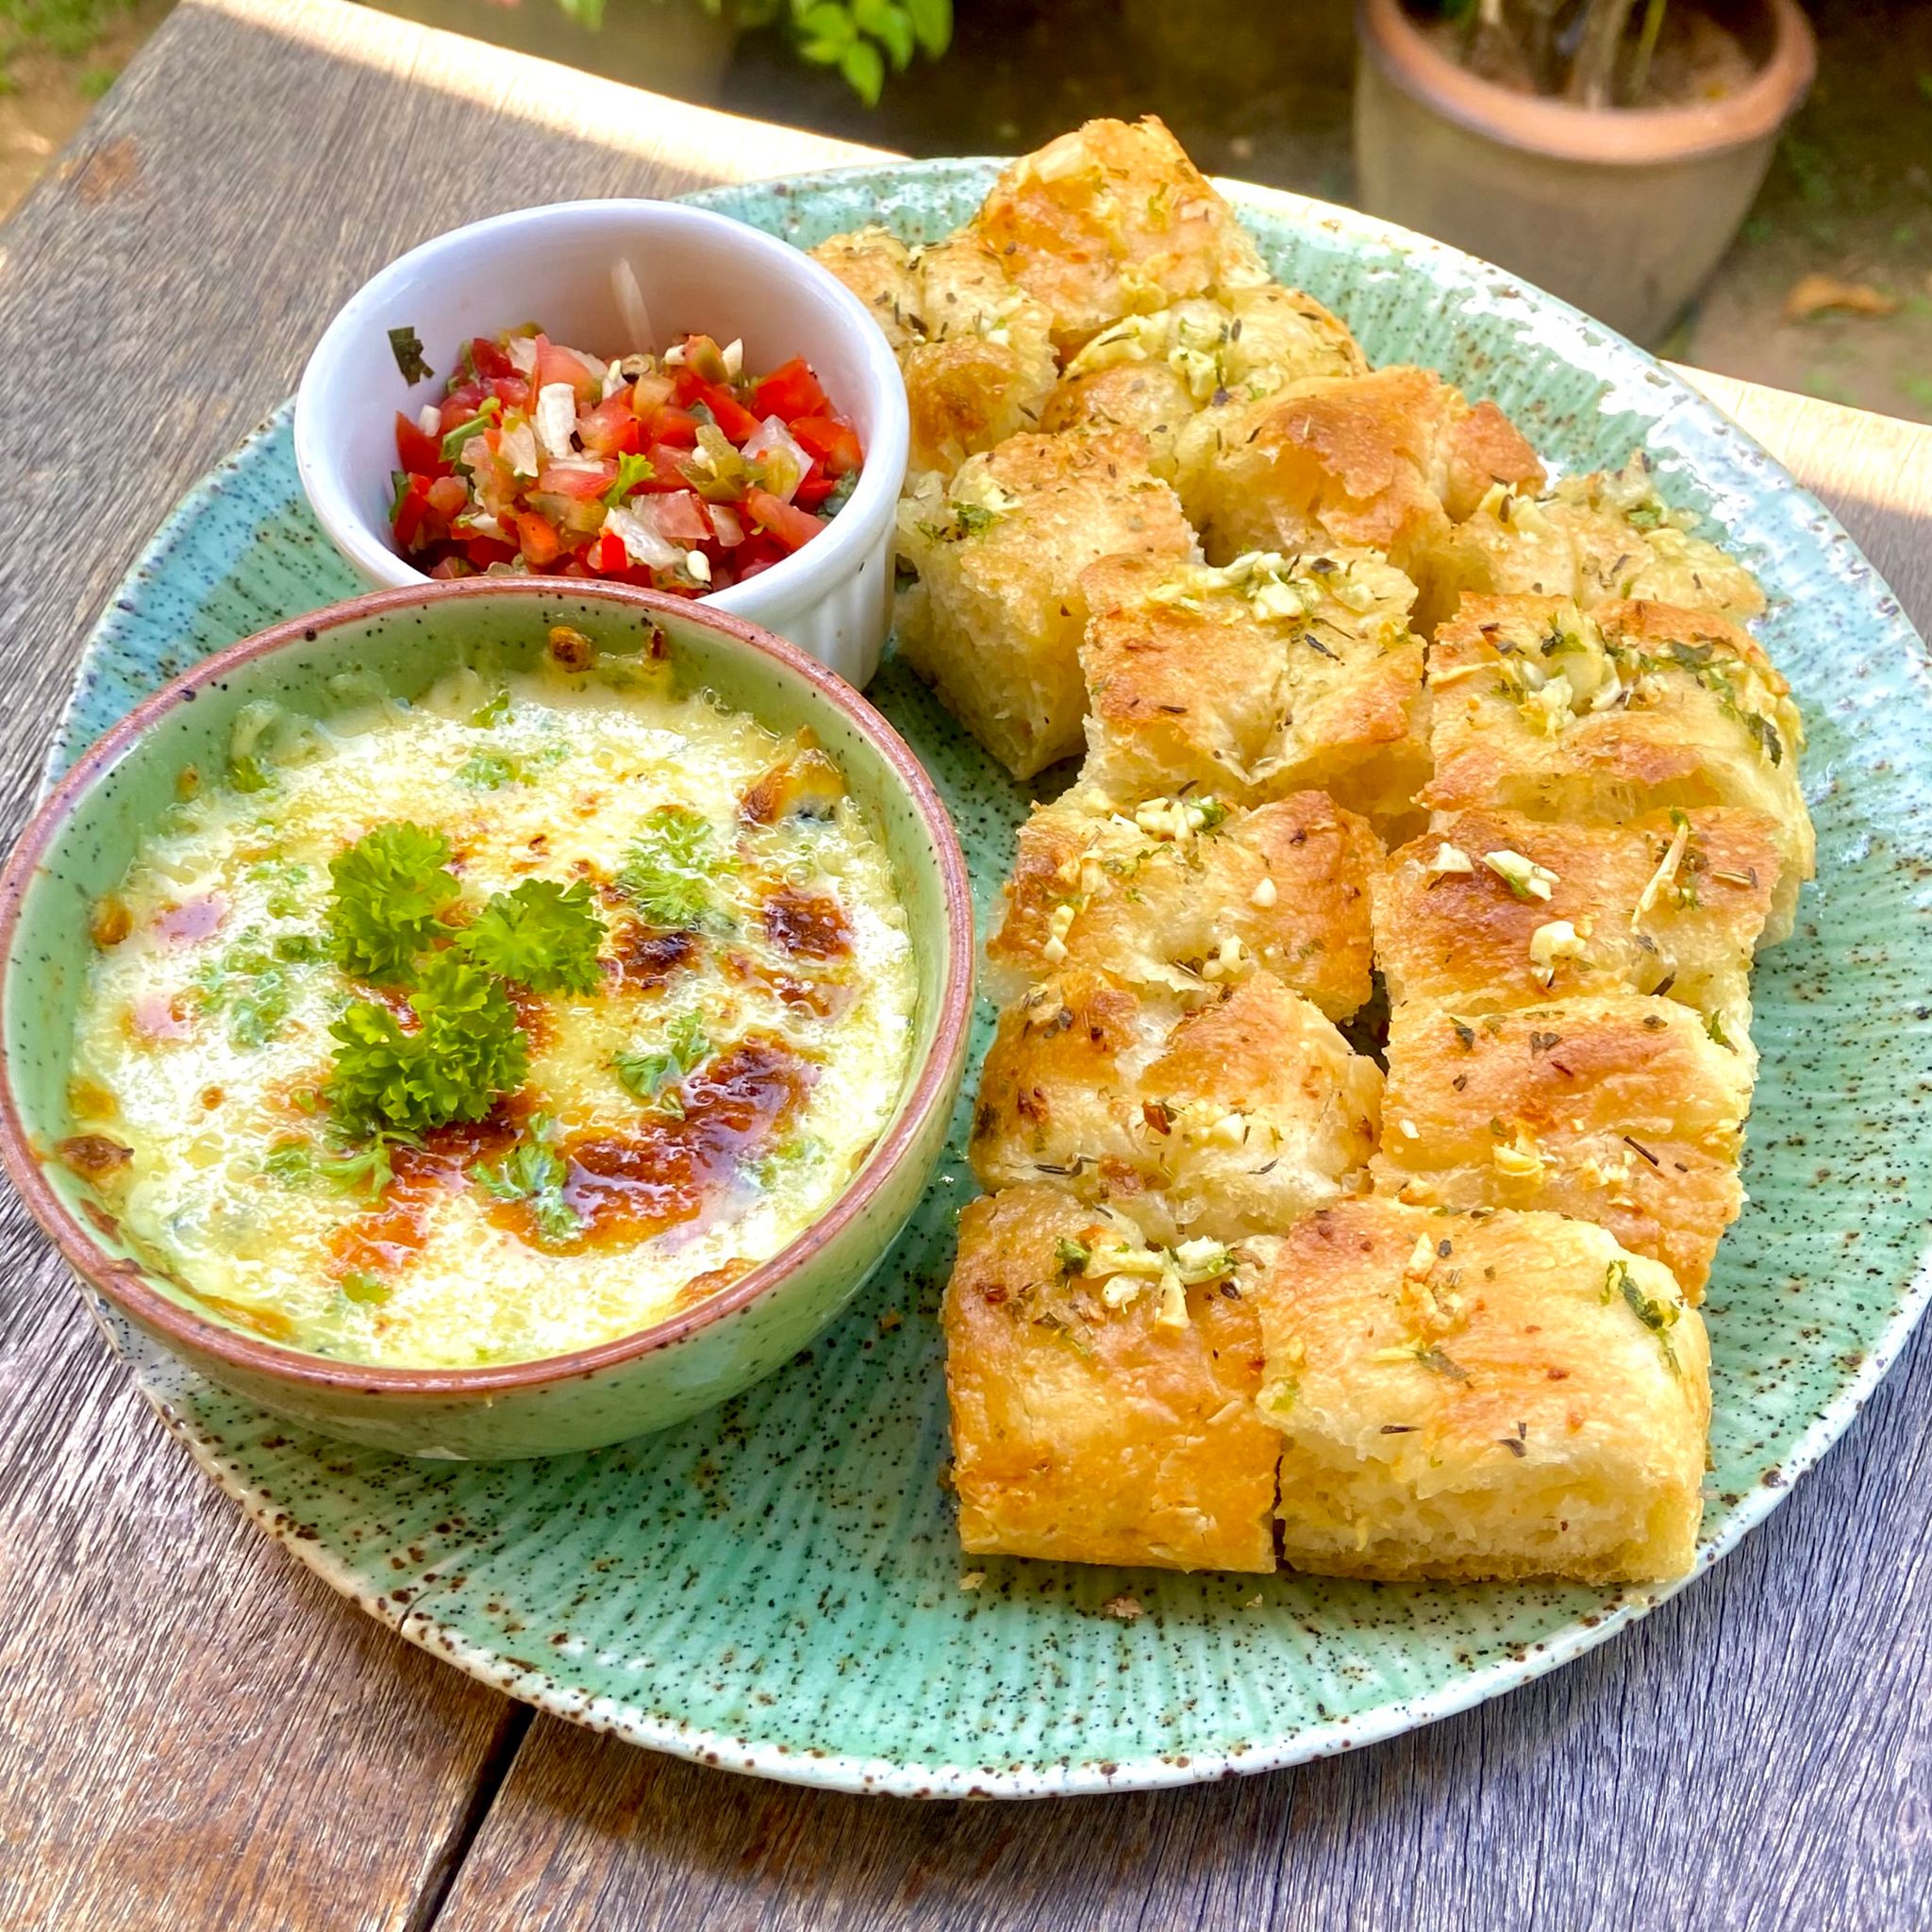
(696, 271)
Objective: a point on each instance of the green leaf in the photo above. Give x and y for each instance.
(864, 69)
(668, 874)
(889, 22)
(405, 345)
(491, 714)
(631, 471)
(465, 1051)
(649, 1075)
(391, 886)
(932, 21)
(535, 1172)
(489, 770)
(452, 443)
(542, 935)
(826, 22)
(826, 53)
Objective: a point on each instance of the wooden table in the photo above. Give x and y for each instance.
(197, 1734)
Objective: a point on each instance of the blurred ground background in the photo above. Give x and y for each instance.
(1260, 91)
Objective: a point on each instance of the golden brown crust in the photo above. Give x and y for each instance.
(1144, 396)
(1463, 1397)
(1156, 902)
(882, 272)
(1386, 461)
(1597, 539)
(1619, 1110)
(1216, 1123)
(1096, 1434)
(985, 364)
(999, 614)
(1261, 679)
(1113, 220)
(1650, 923)
(1596, 717)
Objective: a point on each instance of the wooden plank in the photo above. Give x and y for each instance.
(1873, 472)
(194, 1732)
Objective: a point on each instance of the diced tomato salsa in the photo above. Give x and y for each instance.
(680, 472)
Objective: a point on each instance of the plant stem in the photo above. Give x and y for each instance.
(1646, 47)
(1593, 74)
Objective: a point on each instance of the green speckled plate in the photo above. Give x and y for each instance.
(775, 1586)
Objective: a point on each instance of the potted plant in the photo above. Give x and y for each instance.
(1607, 150)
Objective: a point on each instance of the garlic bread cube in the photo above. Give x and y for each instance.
(1389, 461)
(999, 552)
(883, 272)
(1492, 910)
(1102, 1395)
(1185, 892)
(1113, 220)
(984, 366)
(1218, 1120)
(1597, 539)
(1621, 1110)
(1146, 397)
(1596, 717)
(1268, 677)
(1465, 1396)
(1152, 372)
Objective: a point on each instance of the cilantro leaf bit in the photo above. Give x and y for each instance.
(492, 712)
(391, 889)
(535, 1172)
(542, 935)
(656, 1076)
(465, 1051)
(485, 414)
(669, 872)
(405, 345)
(631, 471)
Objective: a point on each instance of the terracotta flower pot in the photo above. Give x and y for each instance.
(1623, 211)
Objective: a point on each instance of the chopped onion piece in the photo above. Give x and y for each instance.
(429, 421)
(726, 524)
(614, 379)
(519, 450)
(638, 532)
(522, 351)
(733, 353)
(557, 418)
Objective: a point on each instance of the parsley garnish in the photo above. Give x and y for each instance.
(656, 1076)
(542, 935)
(631, 471)
(973, 519)
(668, 875)
(390, 887)
(489, 770)
(405, 345)
(466, 1050)
(491, 714)
(534, 1171)
(1073, 1256)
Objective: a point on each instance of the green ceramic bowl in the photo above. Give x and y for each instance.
(81, 841)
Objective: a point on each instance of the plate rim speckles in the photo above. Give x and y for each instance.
(1407, 296)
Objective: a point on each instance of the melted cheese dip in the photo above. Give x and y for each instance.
(767, 1038)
